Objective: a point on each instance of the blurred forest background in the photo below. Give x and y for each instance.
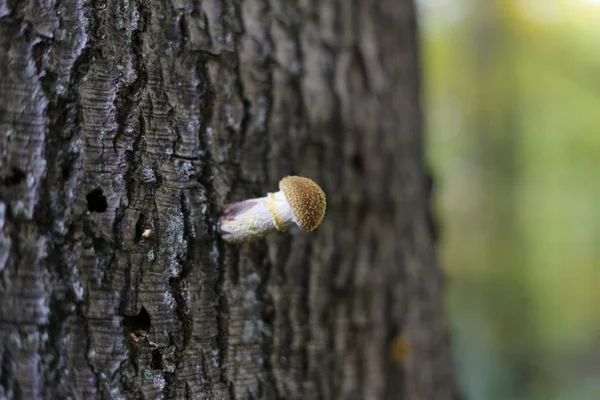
(512, 111)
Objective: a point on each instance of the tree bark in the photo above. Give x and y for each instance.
(127, 125)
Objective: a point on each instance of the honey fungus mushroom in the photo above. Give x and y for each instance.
(299, 201)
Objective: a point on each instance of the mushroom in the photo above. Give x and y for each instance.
(299, 200)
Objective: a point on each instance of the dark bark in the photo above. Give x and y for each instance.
(122, 116)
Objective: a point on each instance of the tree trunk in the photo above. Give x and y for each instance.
(127, 125)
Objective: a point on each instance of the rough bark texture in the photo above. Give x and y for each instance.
(123, 116)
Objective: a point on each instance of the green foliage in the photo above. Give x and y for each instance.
(512, 105)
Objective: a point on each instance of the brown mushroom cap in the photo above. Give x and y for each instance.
(306, 199)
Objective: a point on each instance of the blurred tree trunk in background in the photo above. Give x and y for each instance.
(125, 126)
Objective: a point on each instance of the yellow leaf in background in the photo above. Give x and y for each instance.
(401, 348)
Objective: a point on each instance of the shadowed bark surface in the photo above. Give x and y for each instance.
(127, 125)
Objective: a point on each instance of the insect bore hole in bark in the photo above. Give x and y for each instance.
(156, 362)
(14, 177)
(96, 201)
(140, 322)
(140, 227)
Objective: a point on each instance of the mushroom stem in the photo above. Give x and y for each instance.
(253, 219)
(283, 216)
